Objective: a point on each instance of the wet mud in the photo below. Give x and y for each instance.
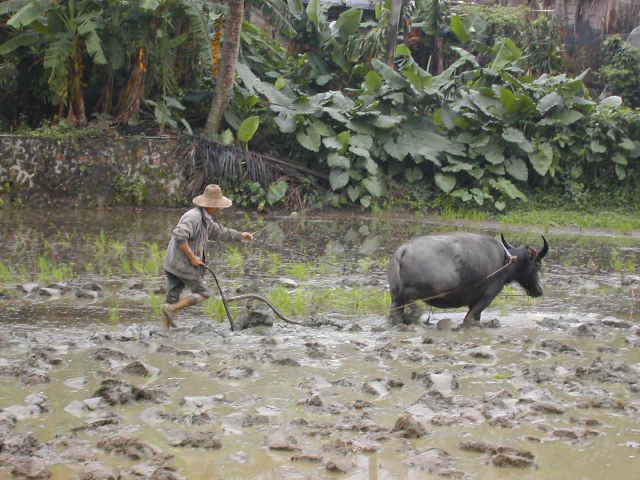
(545, 389)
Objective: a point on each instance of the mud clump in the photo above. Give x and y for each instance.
(118, 392)
(408, 426)
(436, 462)
(134, 449)
(207, 440)
(282, 441)
(501, 456)
(110, 354)
(235, 373)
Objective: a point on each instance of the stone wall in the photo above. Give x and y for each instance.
(91, 171)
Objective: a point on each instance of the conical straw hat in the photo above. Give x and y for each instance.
(212, 198)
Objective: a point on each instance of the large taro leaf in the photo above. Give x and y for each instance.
(413, 174)
(338, 179)
(361, 141)
(248, 128)
(373, 185)
(516, 103)
(550, 101)
(517, 168)
(565, 118)
(508, 188)
(459, 30)
(542, 159)
(394, 79)
(486, 104)
(309, 139)
(286, 122)
(419, 139)
(515, 136)
(349, 21)
(278, 101)
(388, 121)
(373, 80)
(494, 153)
(446, 183)
(277, 191)
(336, 160)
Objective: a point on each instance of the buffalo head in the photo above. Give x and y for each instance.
(528, 263)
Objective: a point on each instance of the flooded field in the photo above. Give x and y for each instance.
(92, 388)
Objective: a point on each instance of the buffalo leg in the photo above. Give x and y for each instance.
(396, 311)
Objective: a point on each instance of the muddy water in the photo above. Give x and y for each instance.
(557, 381)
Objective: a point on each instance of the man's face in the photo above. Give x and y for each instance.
(212, 210)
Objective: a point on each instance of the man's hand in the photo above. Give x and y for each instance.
(246, 236)
(196, 261)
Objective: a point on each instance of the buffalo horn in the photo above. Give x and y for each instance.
(545, 248)
(505, 243)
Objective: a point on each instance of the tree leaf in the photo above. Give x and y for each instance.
(277, 191)
(248, 128)
(613, 101)
(314, 14)
(332, 143)
(517, 168)
(459, 30)
(621, 172)
(373, 81)
(388, 121)
(550, 101)
(413, 174)
(354, 192)
(286, 122)
(338, 179)
(446, 183)
(322, 128)
(542, 159)
(227, 137)
(620, 159)
(597, 147)
(370, 166)
(403, 51)
(513, 135)
(494, 154)
(348, 22)
(336, 160)
(309, 139)
(373, 186)
(32, 11)
(628, 144)
(393, 78)
(25, 39)
(361, 141)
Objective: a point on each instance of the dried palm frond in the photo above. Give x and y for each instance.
(205, 161)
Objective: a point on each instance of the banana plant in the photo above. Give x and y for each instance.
(62, 33)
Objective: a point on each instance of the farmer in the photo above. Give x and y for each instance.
(186, 254)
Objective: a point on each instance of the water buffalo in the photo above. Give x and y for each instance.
(460, 269)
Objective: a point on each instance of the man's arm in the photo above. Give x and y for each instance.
(193, 258)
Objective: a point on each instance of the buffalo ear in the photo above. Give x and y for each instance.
(545, 248)
(505, 243)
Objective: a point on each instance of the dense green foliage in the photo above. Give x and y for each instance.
(621, 71)
(474, 109)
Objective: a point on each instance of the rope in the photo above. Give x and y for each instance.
(224, 302)
(269, 304)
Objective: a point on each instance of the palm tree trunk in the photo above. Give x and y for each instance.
(76, 113)
(392, 31)
(227, 74)
(131, 99)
